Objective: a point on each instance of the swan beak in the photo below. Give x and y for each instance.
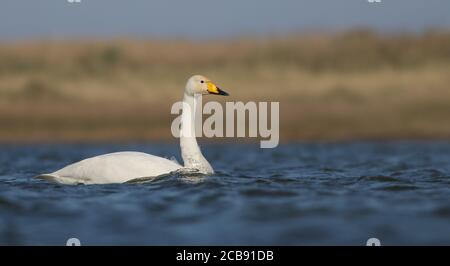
(213, 89)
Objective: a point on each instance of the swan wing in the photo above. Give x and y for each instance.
(116, 167)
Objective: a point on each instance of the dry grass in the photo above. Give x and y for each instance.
(330, 86)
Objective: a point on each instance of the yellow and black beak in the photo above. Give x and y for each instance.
(213, 89)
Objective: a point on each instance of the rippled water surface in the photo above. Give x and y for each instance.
(296, 194)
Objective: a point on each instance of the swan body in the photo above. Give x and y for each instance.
(120, 167)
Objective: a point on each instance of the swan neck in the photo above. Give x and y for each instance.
(190, 151)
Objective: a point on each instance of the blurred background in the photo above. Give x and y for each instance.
(109, 70)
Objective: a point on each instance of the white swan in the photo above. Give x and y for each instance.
(121, 167)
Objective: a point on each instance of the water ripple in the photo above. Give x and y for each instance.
(329, 193)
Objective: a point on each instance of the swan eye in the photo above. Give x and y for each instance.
(202, 81)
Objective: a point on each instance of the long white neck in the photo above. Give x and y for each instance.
(190, 151)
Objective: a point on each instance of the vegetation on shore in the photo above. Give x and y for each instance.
(340, 86)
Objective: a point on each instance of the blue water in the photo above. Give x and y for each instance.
(296, 194)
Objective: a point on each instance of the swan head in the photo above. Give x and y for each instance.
(199, 84)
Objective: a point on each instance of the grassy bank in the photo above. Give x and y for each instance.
(330, 86)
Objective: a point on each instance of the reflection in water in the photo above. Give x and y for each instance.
(186, 174)
(193, 179)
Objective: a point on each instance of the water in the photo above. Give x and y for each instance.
(296, 194)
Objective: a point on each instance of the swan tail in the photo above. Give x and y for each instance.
(58, 179)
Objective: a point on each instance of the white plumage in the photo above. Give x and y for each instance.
(121, 167)
(115, 167)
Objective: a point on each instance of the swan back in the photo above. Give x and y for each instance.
(116, 167)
